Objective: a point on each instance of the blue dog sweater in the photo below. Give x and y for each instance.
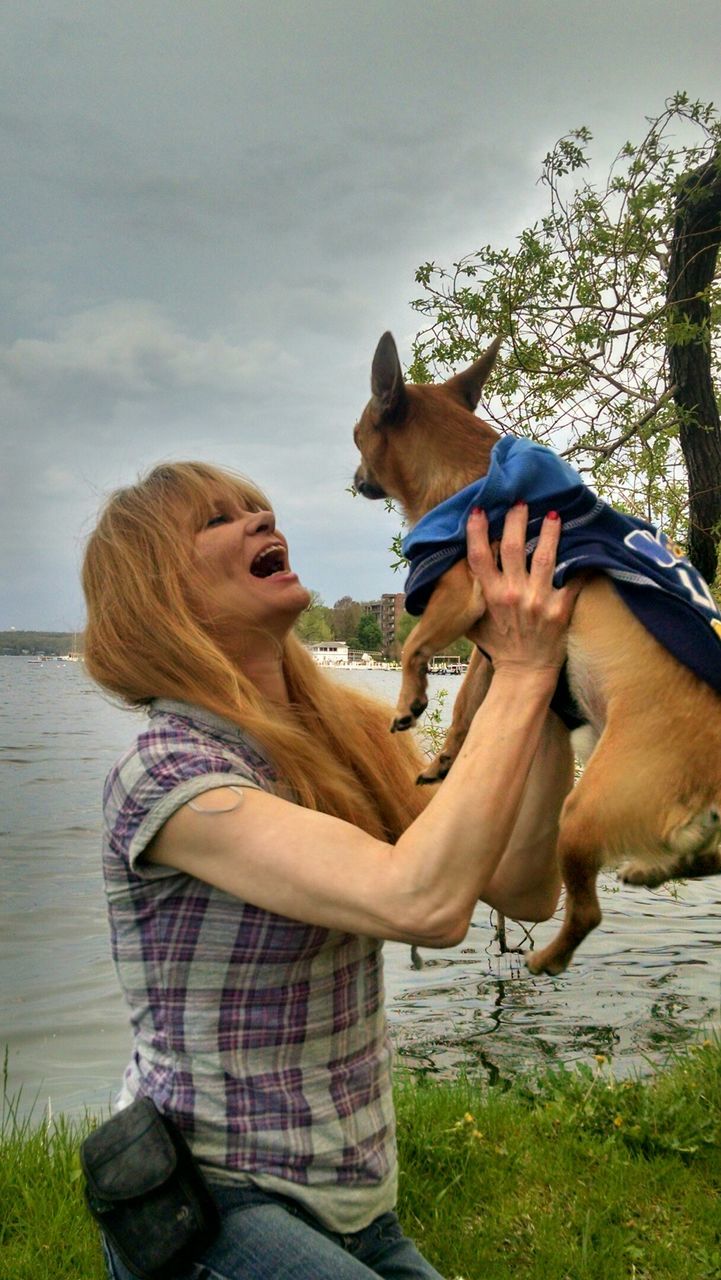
(653, 578)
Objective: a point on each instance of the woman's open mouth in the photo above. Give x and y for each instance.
(270, 560)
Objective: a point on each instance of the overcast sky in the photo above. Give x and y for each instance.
(212, 210)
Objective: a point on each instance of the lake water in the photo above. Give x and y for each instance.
(646, 982)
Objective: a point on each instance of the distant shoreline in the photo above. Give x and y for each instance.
(35, 644)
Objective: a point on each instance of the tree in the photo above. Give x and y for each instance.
(461, 648)
(345, 616)
(369, 637)
(406, 623)
(692, 268)
(608, 304)
(314, 624)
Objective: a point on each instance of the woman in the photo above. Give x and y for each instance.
(262, 836)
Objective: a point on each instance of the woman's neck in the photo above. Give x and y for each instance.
(265, 670)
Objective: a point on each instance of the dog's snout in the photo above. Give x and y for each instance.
(365, 487)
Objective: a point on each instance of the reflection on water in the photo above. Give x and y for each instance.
(644, 983)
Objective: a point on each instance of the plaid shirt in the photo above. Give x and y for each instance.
(264, 1038)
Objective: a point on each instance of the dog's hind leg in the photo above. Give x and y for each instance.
(455, 605)
(581, 847)
(582, 911)
(475, 686)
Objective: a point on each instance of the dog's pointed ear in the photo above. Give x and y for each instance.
(467, 386)
(389, 393)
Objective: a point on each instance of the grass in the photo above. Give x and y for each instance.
(45, 1232)
(575, 1176)
(569, 1176)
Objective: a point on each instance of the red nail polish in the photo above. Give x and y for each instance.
(520, 503)
(552, 515)
(476, 511)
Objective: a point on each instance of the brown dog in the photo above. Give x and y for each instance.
(649, 800)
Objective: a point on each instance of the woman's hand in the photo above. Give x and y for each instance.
(526, 617)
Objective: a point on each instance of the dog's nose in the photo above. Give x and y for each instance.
(366, 488)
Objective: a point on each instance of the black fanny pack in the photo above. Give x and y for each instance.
(145, 1190)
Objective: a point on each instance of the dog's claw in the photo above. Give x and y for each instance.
(401, 723)
(439, 770)
(408, 718)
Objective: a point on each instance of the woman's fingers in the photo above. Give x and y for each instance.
(543, 561)
(481, 557)
(513, 545)
(569, 593)
(526, 616)
(543, 566)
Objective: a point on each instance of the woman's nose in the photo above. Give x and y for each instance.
(261, 522)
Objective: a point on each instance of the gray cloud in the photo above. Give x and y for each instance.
(212, 212)
(129, 350)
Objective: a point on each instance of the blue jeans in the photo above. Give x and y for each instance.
(267, 1237)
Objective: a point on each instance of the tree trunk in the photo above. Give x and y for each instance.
(692, 263)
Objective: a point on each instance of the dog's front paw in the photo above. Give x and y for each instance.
(436, 771)
(399, 724)
(406, 719)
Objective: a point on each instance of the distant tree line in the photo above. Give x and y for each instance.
(346, 620)
(37, 642)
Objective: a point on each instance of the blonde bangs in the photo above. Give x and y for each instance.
(189, 493)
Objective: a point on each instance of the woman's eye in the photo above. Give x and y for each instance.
(216, 520)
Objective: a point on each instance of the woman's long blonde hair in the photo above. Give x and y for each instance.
(143, 641)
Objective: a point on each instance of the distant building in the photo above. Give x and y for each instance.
(330, 653)
(387, 612)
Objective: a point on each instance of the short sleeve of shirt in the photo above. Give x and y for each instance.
(155, 778)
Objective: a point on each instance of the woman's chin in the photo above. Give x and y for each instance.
(306, 596)
(292, 596)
